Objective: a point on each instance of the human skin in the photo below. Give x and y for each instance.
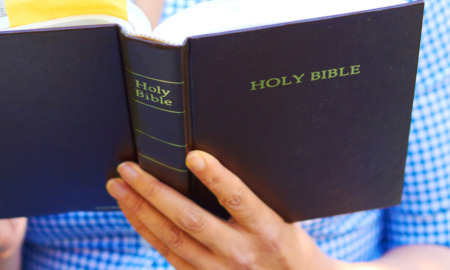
(255, 237)
(191, 238)
(12, 233)
(152, 9)
(279, 242)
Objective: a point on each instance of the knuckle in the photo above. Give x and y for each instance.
(215, 174)
(234, 201)
(163, 250)
(138, 226)
(274, 246)
(243, 260)
(192, 219)
(137, 206)
(272, 239)
(173, 237)
(151, 190)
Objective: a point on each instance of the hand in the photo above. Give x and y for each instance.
(12, 233)
(192, 238)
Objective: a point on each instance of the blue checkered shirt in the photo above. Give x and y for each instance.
(104, 240)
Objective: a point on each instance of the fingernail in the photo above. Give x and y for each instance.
(116, 189)
(127, 172)
(195, 162)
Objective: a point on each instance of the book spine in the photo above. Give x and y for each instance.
(154, 82)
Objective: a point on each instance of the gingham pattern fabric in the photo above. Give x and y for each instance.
(104, 240)
(173, 6)
(424, 215)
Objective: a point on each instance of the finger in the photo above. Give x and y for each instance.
(174, 259)
(209, 230)
(12, 232)
(243, 205)
(167, 232)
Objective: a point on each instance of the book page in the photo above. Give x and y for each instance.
(226, 15)
(4, 22)
(136, 21)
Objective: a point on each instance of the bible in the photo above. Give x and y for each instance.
(310, 109)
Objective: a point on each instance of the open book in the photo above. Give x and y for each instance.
(27, 16)
(210, 17)
(309, 103)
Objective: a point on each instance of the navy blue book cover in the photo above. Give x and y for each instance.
(64, 120)
(313, 115)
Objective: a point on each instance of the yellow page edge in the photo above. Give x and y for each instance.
(23, 12)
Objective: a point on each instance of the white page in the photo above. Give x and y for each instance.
(226, 15)
(4, 22)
